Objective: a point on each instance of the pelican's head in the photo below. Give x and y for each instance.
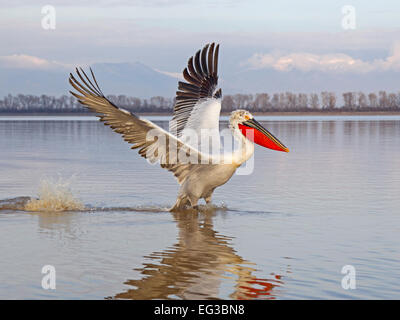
(244, 121)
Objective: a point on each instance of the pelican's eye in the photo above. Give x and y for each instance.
(246, 117)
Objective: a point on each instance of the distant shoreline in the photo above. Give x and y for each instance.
(289, 113)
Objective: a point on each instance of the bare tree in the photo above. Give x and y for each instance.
(261, 102)
(290, 100)
(325, 99)
(331, 100)
(362, 100)
(392, 101)
(349, 100)
(373, 100)
(282, 101)
(227, 103)
(314, 101)
(275, 101)
(383, 100)
(302, 101)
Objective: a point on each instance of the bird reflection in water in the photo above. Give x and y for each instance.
(196, 266)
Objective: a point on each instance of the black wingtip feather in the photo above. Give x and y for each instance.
(201, 75)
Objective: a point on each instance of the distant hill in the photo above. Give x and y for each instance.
(270, 81)
(142, 81)
(133, 79)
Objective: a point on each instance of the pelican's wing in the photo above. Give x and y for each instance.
(198, 103)
(153, 142)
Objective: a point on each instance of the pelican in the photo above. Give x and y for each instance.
(197, 108)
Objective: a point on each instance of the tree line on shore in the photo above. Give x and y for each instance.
(262, 102)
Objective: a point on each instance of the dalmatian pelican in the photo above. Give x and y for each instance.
(197, 108)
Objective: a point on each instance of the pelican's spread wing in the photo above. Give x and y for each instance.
(153, 142)
(198, 103)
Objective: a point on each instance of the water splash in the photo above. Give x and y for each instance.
(54, 196)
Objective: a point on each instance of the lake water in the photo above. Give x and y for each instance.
(283, 232)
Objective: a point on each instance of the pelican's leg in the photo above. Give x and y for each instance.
(208, 196)
(193, 201)
(180, 203)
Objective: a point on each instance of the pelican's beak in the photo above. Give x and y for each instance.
(255, 132)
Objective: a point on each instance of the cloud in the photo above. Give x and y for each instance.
(333, 62)
(23, 61)
(176, 75)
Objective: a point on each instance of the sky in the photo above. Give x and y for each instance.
(282, 36)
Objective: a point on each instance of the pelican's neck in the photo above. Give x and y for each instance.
(245, 149)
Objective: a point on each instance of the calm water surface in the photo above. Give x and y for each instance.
(283, 232)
